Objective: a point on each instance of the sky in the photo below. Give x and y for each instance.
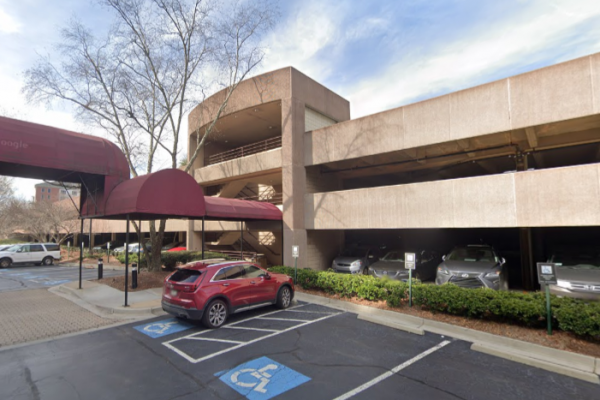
(378, 54)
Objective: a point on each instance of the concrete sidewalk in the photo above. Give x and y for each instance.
(562, 362)
(106, 301)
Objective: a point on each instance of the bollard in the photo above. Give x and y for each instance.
(100, 268)
(134, 276)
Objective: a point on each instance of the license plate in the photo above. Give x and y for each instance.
(385, 272)
(174, 292)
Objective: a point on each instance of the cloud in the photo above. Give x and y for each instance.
(542, 35)
(8, 24)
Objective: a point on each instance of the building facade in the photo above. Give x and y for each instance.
(513, 163)
(53, 193)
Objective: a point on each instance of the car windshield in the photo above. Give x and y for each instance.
(394, 255)
(13, 248)
(582, 259)
(353, 252)
(472, 254)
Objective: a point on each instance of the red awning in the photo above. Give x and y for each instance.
(166, 194)
(221, 209)
(37, 151)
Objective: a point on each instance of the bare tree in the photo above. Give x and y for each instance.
(6, 201)
(158, 60)
(44, 220)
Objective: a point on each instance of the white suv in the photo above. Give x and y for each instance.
(30, 253)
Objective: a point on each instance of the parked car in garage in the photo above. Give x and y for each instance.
(392, 265)
(30, 253)
(473, 266)
(210, 293)
(577, 273)
(355, 259)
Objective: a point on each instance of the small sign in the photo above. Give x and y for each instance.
(108, 245)
(262, 379)
(410, 261)
(546, 273)
(295, 251)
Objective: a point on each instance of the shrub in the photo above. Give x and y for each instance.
(170, 259)
(569, 315)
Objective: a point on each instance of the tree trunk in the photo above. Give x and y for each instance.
(154, 262)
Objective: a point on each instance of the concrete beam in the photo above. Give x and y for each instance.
(532, 138)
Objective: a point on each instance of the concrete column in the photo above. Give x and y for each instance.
(194, 238)
(293, 180)
(528, 271)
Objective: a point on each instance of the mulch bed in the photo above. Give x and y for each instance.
(559, 340)
(146, 280)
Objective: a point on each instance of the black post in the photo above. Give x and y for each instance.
(100, 268)
(139, 246)
(126, 259)
(90, 242)
(203, 237)
(134, 274)
(241, 240)
(81, 254)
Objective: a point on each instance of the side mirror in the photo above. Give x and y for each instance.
(444, 257)
(267, 276)
(502, 261)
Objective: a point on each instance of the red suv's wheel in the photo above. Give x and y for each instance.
(215, 314)
(284, 297)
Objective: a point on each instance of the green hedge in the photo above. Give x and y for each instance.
(170, 259)
(569, 315)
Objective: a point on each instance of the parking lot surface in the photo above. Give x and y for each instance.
(33, 277)
(308, 351)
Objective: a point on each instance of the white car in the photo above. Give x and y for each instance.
(30, 253)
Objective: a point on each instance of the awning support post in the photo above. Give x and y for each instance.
(241, 240)
(90, 242)
(139, 261)
(126, 258)
(81, 254)
(203, 237)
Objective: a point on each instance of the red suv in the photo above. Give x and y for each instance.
(210, 293)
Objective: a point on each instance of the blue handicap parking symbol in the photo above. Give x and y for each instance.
(262, 379)
(163, 328)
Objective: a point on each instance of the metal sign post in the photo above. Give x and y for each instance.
(409, 264)
(547, 277)
(295, 254)
(108, 252)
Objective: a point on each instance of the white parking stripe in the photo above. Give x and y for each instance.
(394, 370)
(275, 333)
(216, 340)
(310, 312)
(284, 319)
(249, 329)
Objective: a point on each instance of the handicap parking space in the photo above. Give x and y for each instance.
(33, 277)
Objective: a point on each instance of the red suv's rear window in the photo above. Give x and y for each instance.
(185, 276)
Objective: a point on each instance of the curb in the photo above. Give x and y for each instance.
(103, 311)
(559, 361)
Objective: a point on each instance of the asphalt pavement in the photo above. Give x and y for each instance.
(35, 277)
(308, 351)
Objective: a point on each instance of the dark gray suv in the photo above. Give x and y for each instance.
(473, 266)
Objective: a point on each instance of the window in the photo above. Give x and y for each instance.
(49, 190)
(63, 191)
(36, 248)
(235, 272)
(43, 190)
(253, 272)
(48, 197)
(52, 247)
